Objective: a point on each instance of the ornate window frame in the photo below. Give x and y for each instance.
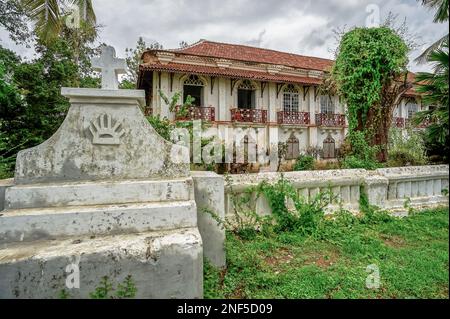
(248, 85)
(291, 98)
(195, 80)
(293, 147)
(327, 105)
(412, 107)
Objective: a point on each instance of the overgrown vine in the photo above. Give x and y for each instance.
(370, 75)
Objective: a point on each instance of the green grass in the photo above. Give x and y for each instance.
(411, 253)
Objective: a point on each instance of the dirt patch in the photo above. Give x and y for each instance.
(321, 260)
(393, 241)
(280, 257)
(238, 293)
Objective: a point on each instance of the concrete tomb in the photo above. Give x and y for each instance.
(105, 196)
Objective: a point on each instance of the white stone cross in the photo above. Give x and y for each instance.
(110, 66)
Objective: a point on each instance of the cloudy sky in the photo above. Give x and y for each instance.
(297, 26)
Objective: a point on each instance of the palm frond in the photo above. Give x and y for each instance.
(86, 11)
(46, 15)
(423, 58)
(441, 7)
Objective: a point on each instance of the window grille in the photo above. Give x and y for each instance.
(326, 104)
(193, 80)
(290, 99)
(412, 108)
(246, 85)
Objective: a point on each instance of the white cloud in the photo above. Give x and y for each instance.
(304, 27)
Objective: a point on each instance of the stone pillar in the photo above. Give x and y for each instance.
(165, 89)
(312, 131)
(273, 136)
(209, 196)
(224, 110)
(376, 190)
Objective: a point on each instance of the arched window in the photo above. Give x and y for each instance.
(329, 148)
(246, 95)
(193, 86)
(412, 108)
(326, 104)
(290, 99)
(293, 148)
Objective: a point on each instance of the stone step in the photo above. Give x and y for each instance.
(50, 223)
(163, 264)
(97, 193)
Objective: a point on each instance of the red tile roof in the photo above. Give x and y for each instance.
(217, 50)
(258, 55)
(231, 73)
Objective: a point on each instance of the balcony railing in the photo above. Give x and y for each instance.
(249, 116)
(424, 124)
(299, 118)
(399, 122)
(330, 120)
(196, 113)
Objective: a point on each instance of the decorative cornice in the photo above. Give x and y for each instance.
(223, 63)
(274, 69)
(165, 57)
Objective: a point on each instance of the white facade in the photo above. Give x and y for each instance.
(285, 103)
(223, 100)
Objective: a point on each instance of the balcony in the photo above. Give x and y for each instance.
(293, 118)
(424, 124)
(399, 122)
(330, 120)
(249, 116)
(196, 113)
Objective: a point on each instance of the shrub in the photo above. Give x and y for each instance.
(161, 125)
(361, 155)
(325, 165)
(406, 150)
(304, 217)
(304, 163)
(353, 162)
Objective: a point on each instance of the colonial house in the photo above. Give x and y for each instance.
(235, 86)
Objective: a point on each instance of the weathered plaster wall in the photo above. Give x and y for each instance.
(389, 188)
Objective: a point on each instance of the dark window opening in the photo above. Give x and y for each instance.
(195, 92)
(246, 99)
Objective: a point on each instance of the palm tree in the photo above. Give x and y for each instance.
(441, 16)
(435, 87)
(49, 16)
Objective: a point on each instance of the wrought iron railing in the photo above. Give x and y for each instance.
(195, 113)
(425, 123)
(249, 115)
(330, 120)
(300, 118)
(399, 122)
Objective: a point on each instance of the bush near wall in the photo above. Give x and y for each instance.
(304, 163)
(406, 150)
